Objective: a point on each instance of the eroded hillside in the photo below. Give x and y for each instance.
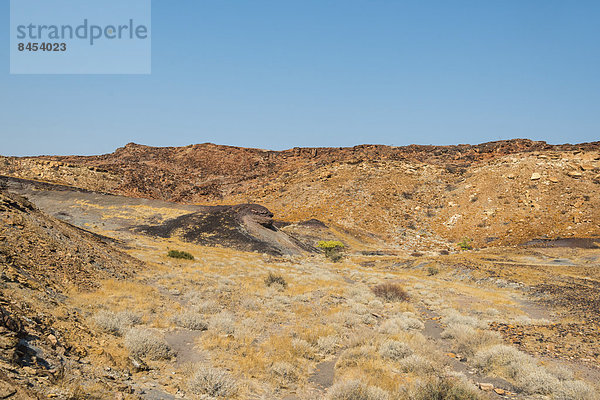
(413, 198)
(42, 337)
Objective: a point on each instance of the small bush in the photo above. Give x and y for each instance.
(250, 304)
(207, 307)
(505, 361)
(356, 390)
(333, 249)
(184, 255)
(275, 279)
(394, 350)
(416, 364)
(536, 381)
(327, 344)
(212, 382)
(352, 357)
(404, 322)
(302, 348)
(143, 342)
(431, 271)
(468, 340)
(191, 320)
(466, 244)
(575, 390)
(116, 323)
(445, 388)
(390, 292)
(284, 371)
(453, 317)
(224, 322)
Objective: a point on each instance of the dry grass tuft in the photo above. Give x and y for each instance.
(535, 380)
(502, 360)
(328, 344)
(356, 390)
(285, 371)
(416, 364)
(212, 382)
(116, 323)
(575, 390)
(444, 388)
(224, 323)
(403, 322)
(190, 320)
(468, 340)
(142, 342)
(390, 292)
(394, 350)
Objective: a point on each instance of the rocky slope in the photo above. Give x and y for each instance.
(414, 197)
(42, 338)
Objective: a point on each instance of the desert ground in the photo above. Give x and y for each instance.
(470, 275)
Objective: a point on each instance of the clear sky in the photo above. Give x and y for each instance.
(279, 74)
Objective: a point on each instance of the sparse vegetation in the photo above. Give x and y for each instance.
(184, 255)
(390, 292)
(333, 249)
(143, 342)
(265, 343)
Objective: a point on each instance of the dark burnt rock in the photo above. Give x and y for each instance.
(223, 226)
(257, 213)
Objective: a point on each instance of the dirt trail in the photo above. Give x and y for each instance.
(182, 341)
(324, 374)
(433, 330)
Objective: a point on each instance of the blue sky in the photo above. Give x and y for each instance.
(279, 74)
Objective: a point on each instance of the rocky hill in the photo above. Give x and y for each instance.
(413, 197)
(41, 259)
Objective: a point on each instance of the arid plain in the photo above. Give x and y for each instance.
(467, 272)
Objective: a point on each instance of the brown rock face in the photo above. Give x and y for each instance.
(8, 322)
(413, 196)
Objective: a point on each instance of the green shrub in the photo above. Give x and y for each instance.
(466, 244)
(333, 249)
(180, 254)
(432, 271)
